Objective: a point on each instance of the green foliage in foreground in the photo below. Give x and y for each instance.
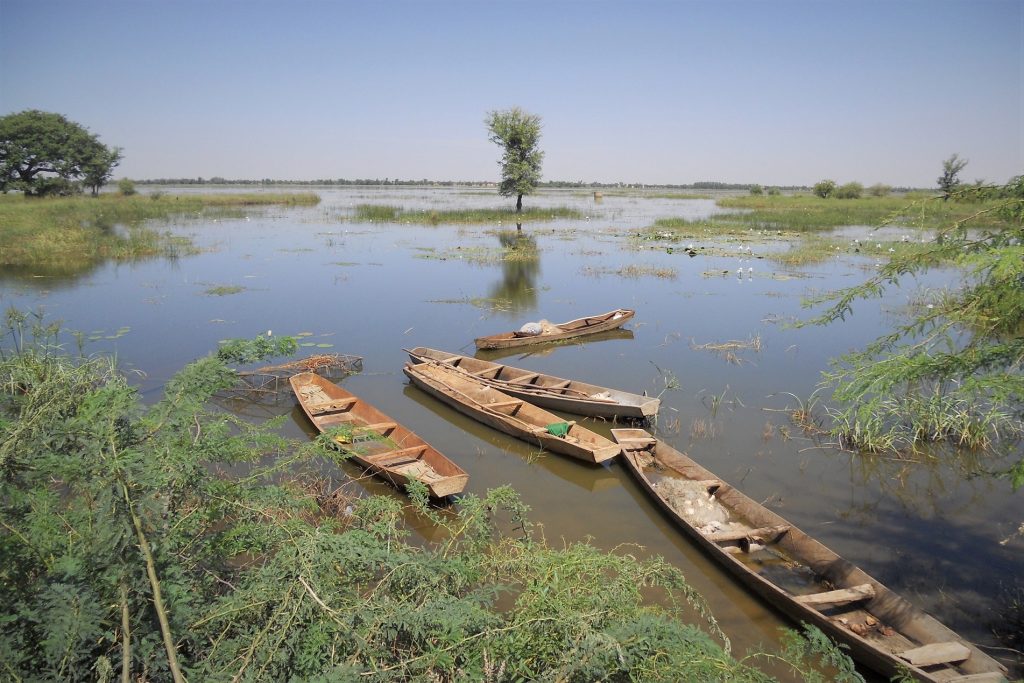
(126, 550)
(76, 232)
(383, 213)
(953, 372)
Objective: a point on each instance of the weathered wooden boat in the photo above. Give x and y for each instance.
(546, 349)
(799, 575)
(374, 440)
(511, 415)
(543, 390)
(567, 330)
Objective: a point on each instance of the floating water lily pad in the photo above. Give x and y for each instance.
(324, 346)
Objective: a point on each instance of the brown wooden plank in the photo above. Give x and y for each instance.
(841, 596)
(767, 533)
(936, 653)
(525, 378)
(392, 458)
(503, 404)
(376, 427)
(331, 406)
(987, 677)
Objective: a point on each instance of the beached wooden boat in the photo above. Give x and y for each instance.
(511, 415)
(374, 440)
(567, 330)
(799, 575)
(543, 390)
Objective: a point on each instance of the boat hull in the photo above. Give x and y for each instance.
(375, 441)
(512, 416)
(568, 330)
(546, 391)
(876, 648)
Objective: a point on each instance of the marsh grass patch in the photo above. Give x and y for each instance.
(223, 290)
(633, 271)
(381, 213)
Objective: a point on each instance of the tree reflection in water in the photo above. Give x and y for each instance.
(520, 266)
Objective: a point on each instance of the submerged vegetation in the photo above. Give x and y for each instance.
(127, 551)
(76, 232)
(383, 213)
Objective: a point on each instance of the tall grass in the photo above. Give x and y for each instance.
(72, 232)
(807, 213)
(384, 213)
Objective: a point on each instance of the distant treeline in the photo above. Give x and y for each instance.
(702, 185)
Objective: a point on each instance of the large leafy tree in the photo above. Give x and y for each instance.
(45, 153)
(518, 132)
(954, 370)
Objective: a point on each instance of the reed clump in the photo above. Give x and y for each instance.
(382, 213)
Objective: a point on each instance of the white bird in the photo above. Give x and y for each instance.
(739, 271)
(750, 270)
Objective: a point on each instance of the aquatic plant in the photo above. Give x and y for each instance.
(382, 213)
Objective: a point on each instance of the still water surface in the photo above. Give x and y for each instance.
(372, 290)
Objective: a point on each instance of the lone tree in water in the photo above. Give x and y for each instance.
(518, 132)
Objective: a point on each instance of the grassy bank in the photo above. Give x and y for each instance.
(383, 213)
(805, 213)
(74, 232)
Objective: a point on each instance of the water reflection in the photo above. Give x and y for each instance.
(545, 349)
(520, 266)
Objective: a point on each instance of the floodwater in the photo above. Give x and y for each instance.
(945, 541)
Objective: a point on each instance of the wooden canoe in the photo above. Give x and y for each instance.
(508, 414)
(374, 440)
(799, 575)
(543, 390)
(567, 330)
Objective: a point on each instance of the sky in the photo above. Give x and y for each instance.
(777, 93)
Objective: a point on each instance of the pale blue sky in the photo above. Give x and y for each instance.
(655, 92)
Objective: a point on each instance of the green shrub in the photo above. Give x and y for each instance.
(825, 188)
(852, 190)
(126, 187)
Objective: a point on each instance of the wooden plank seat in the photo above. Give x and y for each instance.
(504, 404)
(331, 406)
(379, 427)
(396, 458)
(936, 653)
(767, 534)
(841, 596)
(525, 379)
